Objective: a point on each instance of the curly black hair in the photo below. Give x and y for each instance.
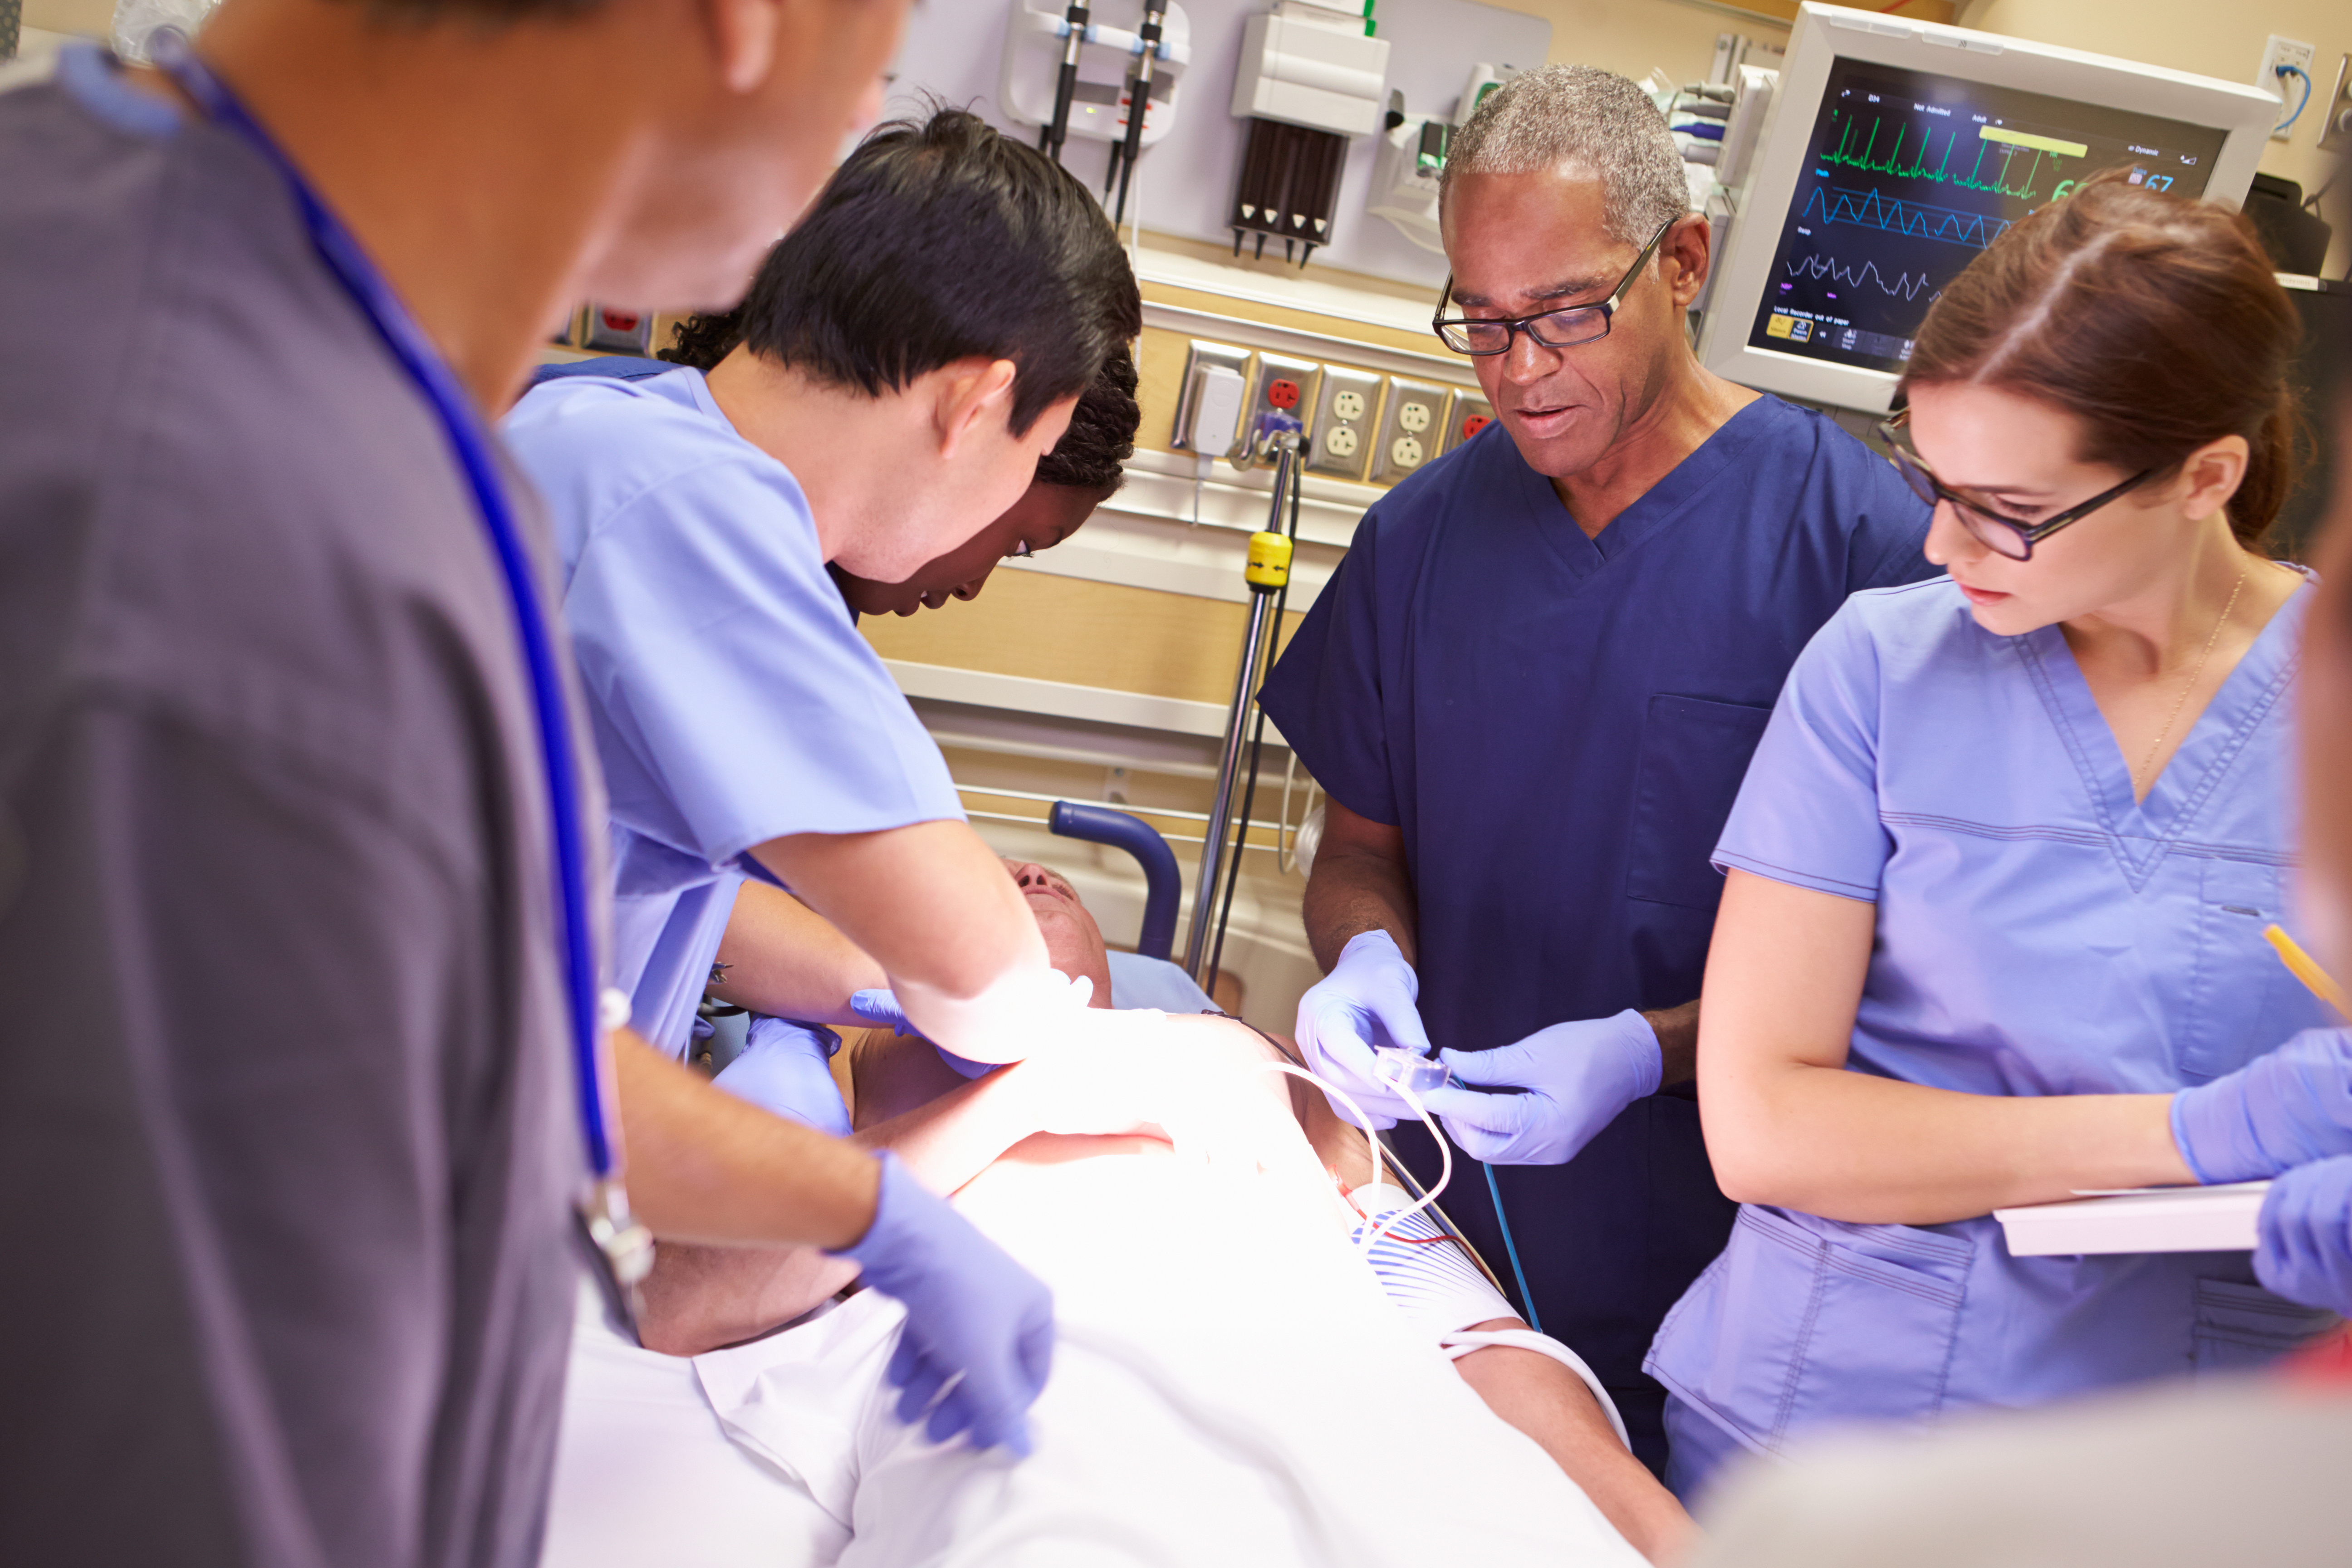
(1101, 435)
(937, 240)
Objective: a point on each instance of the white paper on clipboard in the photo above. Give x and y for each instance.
(2153, 1219)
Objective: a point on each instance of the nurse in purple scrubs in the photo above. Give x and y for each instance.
(1999, 873)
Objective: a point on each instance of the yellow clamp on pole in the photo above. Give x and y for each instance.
(1269, 560)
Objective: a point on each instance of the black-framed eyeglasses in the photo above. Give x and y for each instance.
(2009, 536)
(1562, 329)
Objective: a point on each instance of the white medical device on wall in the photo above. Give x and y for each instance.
(1313, 74)
(1893, 152)
(1412, 157)
(1035, 43)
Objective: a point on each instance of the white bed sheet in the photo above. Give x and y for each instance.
(1230, 1387)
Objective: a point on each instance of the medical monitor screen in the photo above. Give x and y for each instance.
(1910, 175)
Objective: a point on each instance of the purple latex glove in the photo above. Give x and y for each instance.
(973, 1317)
(878, 1005)
(2287, 1108)
(1573, 1079)
(2305, 1253)
(1368, 999)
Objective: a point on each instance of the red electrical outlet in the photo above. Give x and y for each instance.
(1283, 392)
(1472, 426)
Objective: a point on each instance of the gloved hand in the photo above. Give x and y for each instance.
(2287, 1108)
(1574, 1078)
(973, 1314)
(1367, 1000)
(879, 1006)
(2305, 1254)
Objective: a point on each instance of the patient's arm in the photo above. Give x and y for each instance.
(1533, 1393)
(1550, 1403)
(944, 1129)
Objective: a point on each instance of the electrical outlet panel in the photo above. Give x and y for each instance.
(1204, 354)
(1340, 434)
(1411, 426)
(2290, 90)
(1282, 394)
(618, 330)
(1469, 414)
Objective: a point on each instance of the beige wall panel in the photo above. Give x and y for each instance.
(2222, 41)
(1090, 634)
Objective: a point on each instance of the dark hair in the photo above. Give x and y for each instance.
(1101, 435)
(2153, 320)
(935, 241)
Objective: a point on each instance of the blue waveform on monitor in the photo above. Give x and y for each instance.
(1871, 210)
(1904, 285)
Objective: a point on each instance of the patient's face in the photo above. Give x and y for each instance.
(1043, 517)
(1074, 943)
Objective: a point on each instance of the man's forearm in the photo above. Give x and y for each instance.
(781, 957)
(1677, 1032)
(705, 1166)
(1350, 893)
(702, 1297)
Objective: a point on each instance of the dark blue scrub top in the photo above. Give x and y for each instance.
(1559, 725)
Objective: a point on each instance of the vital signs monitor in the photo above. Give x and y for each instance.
(1895, 151)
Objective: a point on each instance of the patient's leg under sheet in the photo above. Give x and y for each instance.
(1230, 1386)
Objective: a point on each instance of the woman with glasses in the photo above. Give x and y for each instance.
(1999, 874)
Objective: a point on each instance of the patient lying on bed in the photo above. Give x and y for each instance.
(1231, 1383)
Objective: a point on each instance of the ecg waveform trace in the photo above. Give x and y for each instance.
(1845, 154)
(1905, 286)
(1869, 209)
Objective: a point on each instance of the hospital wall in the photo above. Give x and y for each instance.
(1101, 670)
(2197, 35)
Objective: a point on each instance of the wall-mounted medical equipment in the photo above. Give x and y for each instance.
(1893, 152)
(1411, 158)
(1074, 66)
(1313, 74)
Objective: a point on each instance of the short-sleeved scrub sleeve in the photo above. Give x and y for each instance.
(1808, 811)
(734, 699)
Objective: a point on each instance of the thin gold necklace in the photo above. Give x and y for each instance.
(2195, 676)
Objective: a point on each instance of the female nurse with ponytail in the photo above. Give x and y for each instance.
(1997, 879)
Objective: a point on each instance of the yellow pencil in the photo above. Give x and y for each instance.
(2306, 969)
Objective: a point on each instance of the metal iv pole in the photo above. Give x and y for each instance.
(1267, 573)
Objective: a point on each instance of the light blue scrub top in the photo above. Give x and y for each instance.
(733, 698)
(2038, 932)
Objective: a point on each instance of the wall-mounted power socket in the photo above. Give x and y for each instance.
(1469, 414)
(1281, 396)
(1412, 426)
(2289, 89)
(1340, 434)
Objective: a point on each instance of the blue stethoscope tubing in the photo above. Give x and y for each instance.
(469, 443)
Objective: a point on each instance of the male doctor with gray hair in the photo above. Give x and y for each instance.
(1531, 689)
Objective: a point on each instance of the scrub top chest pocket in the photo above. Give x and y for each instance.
(2241, 1001)
(1694, 752)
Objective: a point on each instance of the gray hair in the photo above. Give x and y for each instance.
(1586, 122)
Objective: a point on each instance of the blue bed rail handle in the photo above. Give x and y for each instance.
(1162, 882)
